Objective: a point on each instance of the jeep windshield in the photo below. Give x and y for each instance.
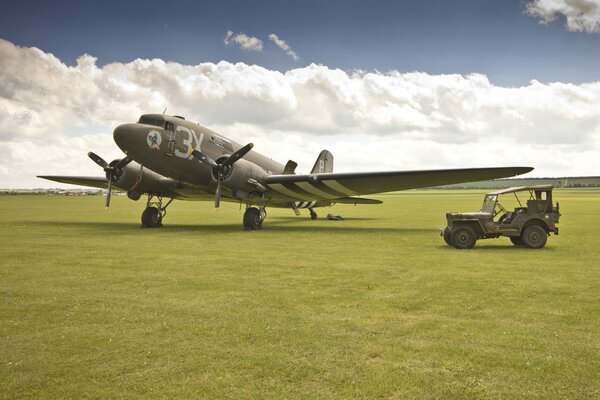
(489, 203)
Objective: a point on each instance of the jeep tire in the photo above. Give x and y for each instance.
(463, 238)
(516, 240)
(534, 237)
(446, 236)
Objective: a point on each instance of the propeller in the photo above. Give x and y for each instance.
(113, 171)
(221, 169)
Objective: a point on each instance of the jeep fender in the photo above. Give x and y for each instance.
(471, 223)
(536, 221)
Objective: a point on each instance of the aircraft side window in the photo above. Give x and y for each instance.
(170, 127)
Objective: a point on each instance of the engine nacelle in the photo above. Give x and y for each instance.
(137, 184)
(237, 177)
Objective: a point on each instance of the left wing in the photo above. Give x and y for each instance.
(331, 186)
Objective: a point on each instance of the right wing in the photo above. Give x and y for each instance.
(330, 186)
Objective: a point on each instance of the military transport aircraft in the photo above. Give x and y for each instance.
(168, 157)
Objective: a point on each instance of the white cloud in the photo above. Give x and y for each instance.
(283, 46)
(51, 114)
(248, 43)
(580, 15)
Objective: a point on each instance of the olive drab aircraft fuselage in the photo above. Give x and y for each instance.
(168, 157)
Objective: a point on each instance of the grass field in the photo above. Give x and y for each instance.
(376, 306)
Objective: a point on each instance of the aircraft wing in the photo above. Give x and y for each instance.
(340, 185)
(92, 181)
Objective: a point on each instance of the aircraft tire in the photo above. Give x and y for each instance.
(463, 238)
(534, 237)
(151, 218)
(313, 215)
(252, 219)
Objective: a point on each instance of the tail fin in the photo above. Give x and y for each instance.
(324, 163)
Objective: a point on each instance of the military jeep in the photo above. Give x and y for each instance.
(527, 225)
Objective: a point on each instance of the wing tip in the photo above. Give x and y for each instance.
(523, 170)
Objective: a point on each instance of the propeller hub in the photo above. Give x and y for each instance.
(222, 169)
(113, 171)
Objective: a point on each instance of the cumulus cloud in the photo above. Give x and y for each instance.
(580, 15)
(51, 114)
(248, 43)
(283, 46)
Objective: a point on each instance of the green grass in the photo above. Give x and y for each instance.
(376, 306)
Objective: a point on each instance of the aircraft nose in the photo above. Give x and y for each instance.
(125, 135)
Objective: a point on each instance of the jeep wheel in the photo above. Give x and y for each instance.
(446, 236)
(463, 238)
(534, 237)
(516, 240)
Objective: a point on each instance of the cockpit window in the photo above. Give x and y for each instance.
(170, 126)
(152, 121)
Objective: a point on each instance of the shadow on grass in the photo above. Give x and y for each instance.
(275, 225)
(503, 248)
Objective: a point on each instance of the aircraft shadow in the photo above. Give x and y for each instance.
(275, 225)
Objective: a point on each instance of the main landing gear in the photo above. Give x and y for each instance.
(254, 216)
(155, 212)
(313, 214)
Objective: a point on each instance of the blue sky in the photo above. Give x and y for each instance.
(384, 85)
(496, 38)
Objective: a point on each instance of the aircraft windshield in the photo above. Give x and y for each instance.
(489, 203)
(152, 121)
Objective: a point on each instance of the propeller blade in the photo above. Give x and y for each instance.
(122, 162)
(218, 194)
(238, 154)
(204, 158)
(109, 193)
(97, 159)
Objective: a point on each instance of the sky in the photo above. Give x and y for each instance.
(384, 85)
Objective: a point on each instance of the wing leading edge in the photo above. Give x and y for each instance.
(92, 181)
(331, 186)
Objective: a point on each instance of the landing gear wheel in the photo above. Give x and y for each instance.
(463, 238)
(151, 218)
(252, 219)
(516, 240)
(534, 237)
(313, 215)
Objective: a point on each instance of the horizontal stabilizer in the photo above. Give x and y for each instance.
(357, 200)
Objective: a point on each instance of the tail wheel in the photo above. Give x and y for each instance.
(463, 237)
(534, 237)
(252, 219)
